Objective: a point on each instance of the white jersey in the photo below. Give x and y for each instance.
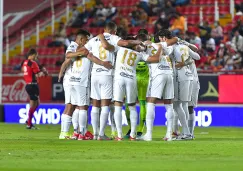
(165, 64)
(71, 48)
(181, 53)
(194, 71)
(80, 72)
(94, 45)
(126, 62)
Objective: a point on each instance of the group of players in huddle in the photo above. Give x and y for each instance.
(112, 70)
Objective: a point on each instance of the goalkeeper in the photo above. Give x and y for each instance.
(142, 71)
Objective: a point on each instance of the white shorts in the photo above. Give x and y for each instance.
(125, 88)
(101, 87)
(183, 91)
(80, 95)
(195, 92)
(67, 93)
(161, 86)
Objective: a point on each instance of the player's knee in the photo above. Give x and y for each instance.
(190, 109)
(105, 109)
(95, 110)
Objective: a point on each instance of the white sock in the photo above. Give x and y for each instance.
(62, 122)
(191, 122)
(67, 120)
(82, 121)
(133, 120)
(182, 117)
(150, 118)
(103, 119)
(185, 108)
(170, 114)
(118, 120)
(175, 122)
(95, 119)
(75, 120)
(113, 125)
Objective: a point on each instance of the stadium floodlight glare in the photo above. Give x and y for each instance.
(1, 47)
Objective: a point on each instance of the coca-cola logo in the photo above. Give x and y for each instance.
(15, 92)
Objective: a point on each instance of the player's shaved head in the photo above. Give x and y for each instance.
(82, 32)
(142, 37)
(82, 37)
(111, 27)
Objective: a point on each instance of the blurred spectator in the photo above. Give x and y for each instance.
(61, 31)
(169, 9)
(100, 16)
(217, 33)
(237, 42)
(221, 57)
(178, 26)
(57, 41)
(238, 26)
(205, 31)
(182, 2)
(144, 4)
(233, 61)
(154, 6)
(139, 16)
(75, 14)
(238, 10)
(194, 39)
(111, 12)
(162, 22)
(124, 23)
(210, 45)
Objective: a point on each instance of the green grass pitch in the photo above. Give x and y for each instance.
(31, 150)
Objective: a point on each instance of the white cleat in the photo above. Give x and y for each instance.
(95, 137)
(144, 138)
(184, 137)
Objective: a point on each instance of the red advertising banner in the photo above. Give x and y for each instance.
(231, 88)
(13, 90)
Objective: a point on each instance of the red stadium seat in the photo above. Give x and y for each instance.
(224, 9)
(208, 10)
(210, 19)
(193, 20)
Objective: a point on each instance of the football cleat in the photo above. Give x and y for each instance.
(166, 138)
(81, 137)
(175, 134)
(118, 139)
(75, 136)
(132, 138)
(184, 137)
(89, 135)
(95, 137)
(144, 138)
(31, 127)
(104, 137)
(64, 136)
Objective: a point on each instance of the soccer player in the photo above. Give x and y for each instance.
(101, 78)
(160, 85)
(195, 89)
(73, 54)
(31, 72)
(125, 84)
(182, 86)
(142, 76)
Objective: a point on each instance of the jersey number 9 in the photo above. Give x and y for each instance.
(131, 58)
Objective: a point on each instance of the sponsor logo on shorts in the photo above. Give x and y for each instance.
(123, 74)
(101, 70)
(164, 67)
(74, 79)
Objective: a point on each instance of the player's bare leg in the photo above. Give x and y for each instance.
(95, 117)
(104, 114)
(118, 119)
(170, 114)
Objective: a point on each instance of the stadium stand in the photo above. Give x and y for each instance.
(52, 56)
